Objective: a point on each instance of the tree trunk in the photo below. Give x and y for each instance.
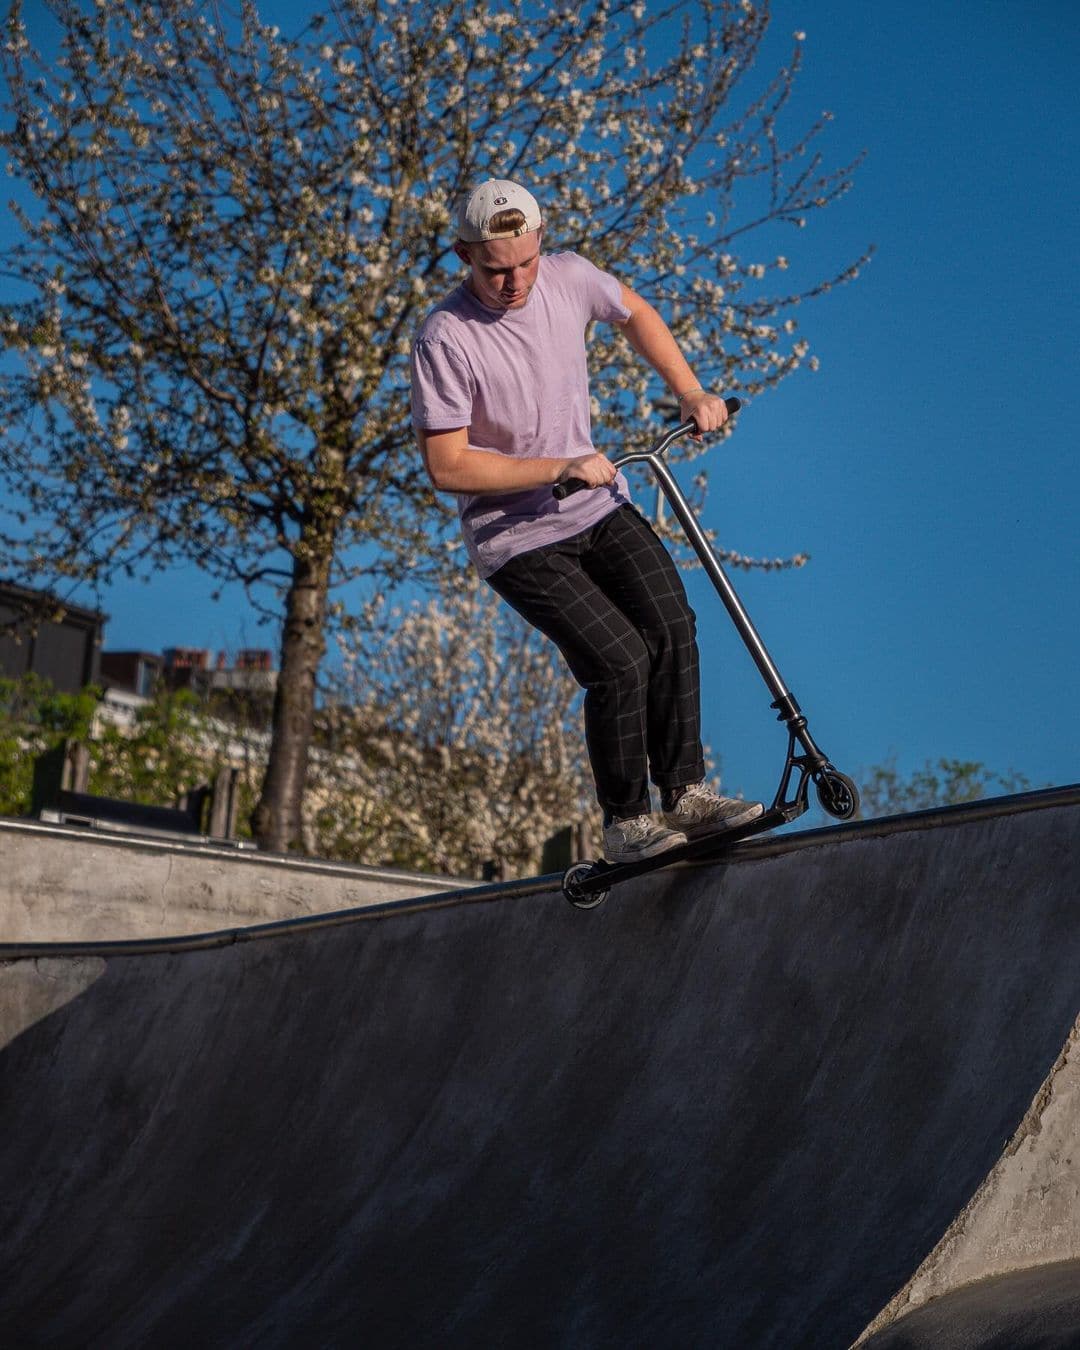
(277, 820)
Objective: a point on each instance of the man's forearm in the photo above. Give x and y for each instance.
(480, 471)
(652, 339)
(455, 466)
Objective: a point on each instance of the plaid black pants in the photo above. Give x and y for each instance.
(612, 601)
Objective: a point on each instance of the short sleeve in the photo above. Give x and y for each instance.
(602, 291)
(442, 387)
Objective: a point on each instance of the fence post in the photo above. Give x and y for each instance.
(64, 768)
(225, 804)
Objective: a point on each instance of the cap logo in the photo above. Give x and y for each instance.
(500, 201)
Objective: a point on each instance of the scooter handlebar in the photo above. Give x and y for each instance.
(571, 485)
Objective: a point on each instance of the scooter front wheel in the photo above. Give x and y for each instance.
(837, 794)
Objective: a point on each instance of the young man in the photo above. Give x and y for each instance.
(500, 403)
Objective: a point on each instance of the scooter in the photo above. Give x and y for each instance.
(586, 884)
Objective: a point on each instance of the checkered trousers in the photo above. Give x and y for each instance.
(612, 601)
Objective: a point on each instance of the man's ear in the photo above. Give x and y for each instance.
(462, 250)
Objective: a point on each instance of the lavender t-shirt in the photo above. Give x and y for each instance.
(519, 381)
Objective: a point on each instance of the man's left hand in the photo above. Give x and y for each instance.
(709, 411)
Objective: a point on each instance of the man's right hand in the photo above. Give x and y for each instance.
(594, 470)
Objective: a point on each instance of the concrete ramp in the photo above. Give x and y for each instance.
(739, 1105)
(1035, 1308)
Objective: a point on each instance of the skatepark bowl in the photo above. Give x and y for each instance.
(823, 1092)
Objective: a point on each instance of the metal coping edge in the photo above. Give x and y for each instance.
(748, 851)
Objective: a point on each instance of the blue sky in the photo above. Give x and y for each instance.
(930, 466)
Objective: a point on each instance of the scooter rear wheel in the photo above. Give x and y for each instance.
(571, 889)
(837, 794)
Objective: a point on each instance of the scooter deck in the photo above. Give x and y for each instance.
(590, 882)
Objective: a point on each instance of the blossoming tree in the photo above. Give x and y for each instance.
(454, 746)
(233, 232)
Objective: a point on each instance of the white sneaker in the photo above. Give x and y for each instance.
(638, 837)
(700, 811)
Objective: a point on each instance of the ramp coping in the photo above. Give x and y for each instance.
(479, 893)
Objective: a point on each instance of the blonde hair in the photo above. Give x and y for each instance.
(509, 221)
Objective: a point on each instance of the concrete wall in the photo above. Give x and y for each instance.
(1026, 1214)
(62, 884)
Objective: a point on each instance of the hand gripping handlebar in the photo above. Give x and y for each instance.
(571, 485)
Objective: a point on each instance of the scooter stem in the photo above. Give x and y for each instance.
(585, 883)
(711, 563)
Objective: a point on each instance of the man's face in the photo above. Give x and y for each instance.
(503, 271)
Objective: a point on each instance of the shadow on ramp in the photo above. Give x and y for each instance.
(734, 1107)
(1036, 1309)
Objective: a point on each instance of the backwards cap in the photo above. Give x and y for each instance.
(486, 201)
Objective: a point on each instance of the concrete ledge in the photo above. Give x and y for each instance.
(63, 884)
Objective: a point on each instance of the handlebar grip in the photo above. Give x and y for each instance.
(571, 485)
(567, 486)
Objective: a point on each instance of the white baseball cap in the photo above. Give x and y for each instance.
(486, 201)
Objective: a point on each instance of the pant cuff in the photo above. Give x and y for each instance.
(622, 812)
(680, 778)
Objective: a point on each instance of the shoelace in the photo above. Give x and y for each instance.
(634, 828)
